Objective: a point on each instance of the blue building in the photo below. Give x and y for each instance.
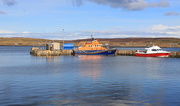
(68, 46)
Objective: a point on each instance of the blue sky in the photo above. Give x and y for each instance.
(46, 19)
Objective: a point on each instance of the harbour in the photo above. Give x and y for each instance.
(94, 47)
(89, 53)
(87, 79)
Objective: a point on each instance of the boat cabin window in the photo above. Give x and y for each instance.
(97, 45)
(159, 49)
(90, 45)
(154, 49)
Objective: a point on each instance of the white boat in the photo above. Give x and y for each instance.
(154, 51)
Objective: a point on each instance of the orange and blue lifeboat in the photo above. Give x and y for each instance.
(93, 48)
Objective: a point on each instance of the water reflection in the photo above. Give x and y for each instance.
(153, 67)
(90, 57)
(90, 66)
(52, 59)
(158, 69)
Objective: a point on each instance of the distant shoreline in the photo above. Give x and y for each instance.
(113, 42)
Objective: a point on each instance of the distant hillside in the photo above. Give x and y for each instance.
(23, 41)
(163, 42)
(126, 42)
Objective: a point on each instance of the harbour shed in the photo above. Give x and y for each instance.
(53, 46)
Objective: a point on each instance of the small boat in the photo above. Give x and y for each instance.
(93, 48)
(154, 51)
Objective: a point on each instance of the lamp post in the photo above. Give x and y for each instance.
(63, 37)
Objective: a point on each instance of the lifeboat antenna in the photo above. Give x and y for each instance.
(92, 37)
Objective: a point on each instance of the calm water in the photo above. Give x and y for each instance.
(87, 80)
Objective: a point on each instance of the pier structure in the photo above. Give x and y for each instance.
(132, 53)
(38, 52)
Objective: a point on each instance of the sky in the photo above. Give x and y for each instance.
(79, 19)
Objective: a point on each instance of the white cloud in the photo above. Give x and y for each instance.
(154, 31)
(2, 12)
(9, 2)
(171, 13)
(25, 32)
(126, 4)
(159, 27)
(5, 31)
(173, 30)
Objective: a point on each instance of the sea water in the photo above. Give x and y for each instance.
(87, 80)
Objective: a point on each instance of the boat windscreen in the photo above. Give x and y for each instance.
(81, 44)
(154, 49)
(159, 50)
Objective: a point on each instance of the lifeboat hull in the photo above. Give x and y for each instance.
(95, 52)
(153, 54)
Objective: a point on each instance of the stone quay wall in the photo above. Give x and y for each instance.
(132, 53)
(38, 52)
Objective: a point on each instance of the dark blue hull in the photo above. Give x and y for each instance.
(96, 52)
